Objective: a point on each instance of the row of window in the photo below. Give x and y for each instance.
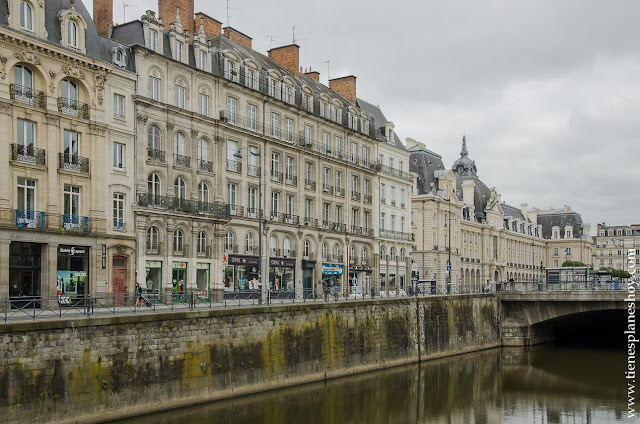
(392, 195)
(392, 223)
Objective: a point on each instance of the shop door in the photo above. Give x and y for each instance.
(24, 275)
(119, 279)
(179, 284)
(307, 283)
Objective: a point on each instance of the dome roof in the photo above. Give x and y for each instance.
(464, 166)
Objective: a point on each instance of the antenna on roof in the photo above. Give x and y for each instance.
(124, 11)
(271, 38)
(328, 74)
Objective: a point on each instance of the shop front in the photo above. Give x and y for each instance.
(308, 268)
(402, 275)
(153, 280)
(332, 278)
(203, 271)
(72, 275)
(241, 274)
(179, 279)
(282, 274)
(393, 279)
(24, 273)
(383, 278)
(359, 280)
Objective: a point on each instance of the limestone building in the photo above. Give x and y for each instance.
(66, 110)
(613, 243)
(224, 132)
(459, 221)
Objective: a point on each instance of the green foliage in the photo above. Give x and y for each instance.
(617, 273)
(573, 263)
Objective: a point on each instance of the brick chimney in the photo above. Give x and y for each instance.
(288, 57)
(103, 16)
(314, 75)
(167, 12)
(212, 27)
(345, 86)
(236, 35)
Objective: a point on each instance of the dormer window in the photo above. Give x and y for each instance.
(323, 109)
(178, 46)
(72, 34)
(153, 40)
(26, 16)
(287, 94)
(202, 60)
(231, 72)
(119, 56)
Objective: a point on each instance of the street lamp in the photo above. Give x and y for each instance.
(449, 260)
(258, 155)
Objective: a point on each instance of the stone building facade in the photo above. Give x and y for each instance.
(613, 243)
(66, 227)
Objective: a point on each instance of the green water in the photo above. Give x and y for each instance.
(546, 385)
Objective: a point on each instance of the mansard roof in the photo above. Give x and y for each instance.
(97, 47)
(425, 163)
(514, 212)
(560, 218)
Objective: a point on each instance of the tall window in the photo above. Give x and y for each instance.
(252, 204)
(181, 96)
(252, 115)
(289, 168)
(337, 145)
(286, 245)
(153, 139)
(71, 200)
(383, 218)
(118, 210)
(179, 145)
(275, 124)
(365, 221)
(364, 255)
(306, 248)
(275, 200)
(365, 156)
(203, 150)
(69, 94)
(72, 34)
(307, 208)
(153, 185)
(289, 205)
(26, 194)
(325, 212)
(287, 94)
(118, 156)
(307, 133)
(354, 217)
(71, 144)
(338, 214)
(229, 240)
(203, 192)
(202, 60)
(275, 164)
(180, 188)
(152, 238)
(249, 78)
(202, 242)
(250, 243)
(232, 104)
(325, 142)
(336, 251)
(354, 183)
(153, 40)
(26, 135)
(23, 88)
(118, 106)
(273, 246)
(232, 191)
(289, 129)
(326, 177)
(365, 187)
(26, 16)
(308, 172)
(338, 179)
(178, 50)
(203, 101)
(324, 251)
(178, 240)
(154, 88)
(354, 152)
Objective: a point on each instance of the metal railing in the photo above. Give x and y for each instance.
(205, 165)
(276, 175)
(182, 161)
(392, 171)
(204, 251)
(219, 210)
(75, 223)
(245, 122)
(396, 235)
(368, 199)
(234, 166)
(339, 192)
(27, 95)
(235, 210)
(290, 179)
(326, 188)
(28, 154)
(311, 222)
(153, 248)
(30, 219)
(181, 250)
(155, 155)
(73, 107)
(311, 185)
(253, 171)
(355, 196)
(73, 163)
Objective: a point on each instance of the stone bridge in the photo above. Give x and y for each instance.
(528, 318)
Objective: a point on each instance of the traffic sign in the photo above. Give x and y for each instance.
(448, 268)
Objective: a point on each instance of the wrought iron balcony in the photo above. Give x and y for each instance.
(290, 219)
(73, 163)
(276, 175)
(27, 154)
(356, 230)
(205, 165)
(250, 250)
(383, 201)
(153, 248)
(355, 196)
(290, 179)
(339, 192)
(182, 161)
(248, 123)
(30, 219)
(235, 210)
(234, 166)
(396, 235)
(204, 251)
(368, 232)
(326, 188)
(76, 223)
(217, 210)
(353, 260)
(27, 95)
(180, 250)
(275, 216)
(230, 248)
(337, 258)
(394, 172)
(365, 261)
(73, 107)
(311, 222)
(118, 225)
(393, 203)
(309, 256)
(253, 171)
(328, 225)
(288, 253)
(252, 213)
(311, 185)
(368, 199)
(155, 155)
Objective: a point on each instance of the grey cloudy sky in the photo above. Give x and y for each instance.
(547, 91)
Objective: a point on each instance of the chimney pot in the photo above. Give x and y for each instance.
(103, 16)
(212, 27)
(236, 35)
(167, 12)
(345, 86)
(288, 57)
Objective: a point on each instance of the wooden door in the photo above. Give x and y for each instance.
(119, 280)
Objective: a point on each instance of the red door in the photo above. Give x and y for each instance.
(120, 280)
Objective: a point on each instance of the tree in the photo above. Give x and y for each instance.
(573, 263)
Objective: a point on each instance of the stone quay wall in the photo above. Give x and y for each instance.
(92, 370)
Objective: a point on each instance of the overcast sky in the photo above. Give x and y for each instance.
(546, 91)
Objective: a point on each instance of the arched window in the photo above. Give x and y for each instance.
(352, 252)
(179, 145)
(23, 84)
(306, 248)
(336, 252)
(249, 246)
(152, 239)
(178, 240)
(229, 241)
(287, 247)
(383, 253)
(403, 255)
(203, 192)
(203, 150)
(69, 97)
(202, 242)
(72, 34)
(273, 246)
(153, 185)
(154, 138)
(180, 188)
(26, 16)
(365, 255)
(324, 251)
(393, 253)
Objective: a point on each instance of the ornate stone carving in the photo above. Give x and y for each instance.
(3, 61)
(194, 133)
(170, 126)
(52, 119)
(97, 129)
(73, 71)
(218, 139)
(100, 80)
(5, 108)
(142, 119)
(52, 84)
(28, 55)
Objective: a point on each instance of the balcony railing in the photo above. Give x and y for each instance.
(393, 203)
(230, 248)
(396, 235)
(27, 95)
(119, 225)
(368, 199)
(395, 172)
(77, 223)
(241, 121)
(205, 165)
(368, 232)
(327, 189)
(30, 219)
(217, 210)
(311, 222)
(250, 250)
(234, 166)
(155, 155)
(276, 216)
(365, 261)
(27, 154)
(181, 250)
(288, 253)
(204, 251)
(311, 185)
(337, 258)
(309, 256)
(235, 210)
(355, 196)
(383, 201)
(290, 179)
(153, 248)
(356, 230)
(73, 163)
(253, 171)
(276, 175)
(182, 161)
(339, 192)
(252, 213)
(353, 260)
(73, 107)
(290, 219)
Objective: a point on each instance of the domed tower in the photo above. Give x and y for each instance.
(473, 192)
(464, 166)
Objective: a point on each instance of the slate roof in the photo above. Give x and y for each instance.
(425, 163)
(514, 212)
(97, 47)
(560, 218)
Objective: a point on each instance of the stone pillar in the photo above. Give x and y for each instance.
(4, 268)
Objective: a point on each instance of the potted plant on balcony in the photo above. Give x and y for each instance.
(376, 167)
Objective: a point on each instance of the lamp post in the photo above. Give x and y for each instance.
(258, 155)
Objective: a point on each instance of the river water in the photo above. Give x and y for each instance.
(546, 384)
